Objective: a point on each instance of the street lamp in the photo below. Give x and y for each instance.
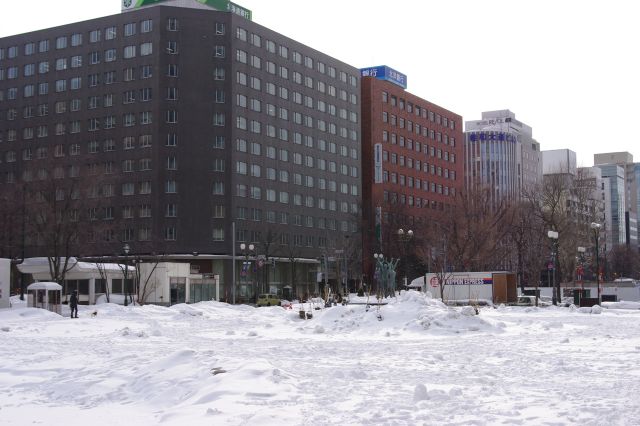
(580, 269)
(404, 238)
(596, 234)
(553, 236)
(246, 251)
(379, 257)
(126, 250)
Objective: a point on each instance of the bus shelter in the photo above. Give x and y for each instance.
(45, 295)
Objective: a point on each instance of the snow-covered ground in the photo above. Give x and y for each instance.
(212, 364)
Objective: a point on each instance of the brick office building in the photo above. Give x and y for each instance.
(184, 124)
(412, 162)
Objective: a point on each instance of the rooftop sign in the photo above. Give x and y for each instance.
(222, 5)
(383, 72)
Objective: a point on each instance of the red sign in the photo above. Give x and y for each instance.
(433, 281)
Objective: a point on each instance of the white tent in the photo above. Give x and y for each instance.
(91, 272)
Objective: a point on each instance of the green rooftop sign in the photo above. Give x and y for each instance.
(222, 5)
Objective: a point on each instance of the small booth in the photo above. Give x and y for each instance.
(45, 295)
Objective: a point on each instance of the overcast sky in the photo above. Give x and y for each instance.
(569, 69)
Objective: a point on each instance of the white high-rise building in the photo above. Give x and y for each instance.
(501, 154)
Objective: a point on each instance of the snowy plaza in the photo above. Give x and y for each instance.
(422, 363)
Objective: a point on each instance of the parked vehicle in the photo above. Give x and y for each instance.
(566, 301)
(268, 300)
(531, 301)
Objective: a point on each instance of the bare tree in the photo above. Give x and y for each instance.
(567, 204)
(475, 231)
(625, 262)
(54, 222)
(103, 271)
(267, 247)
(144, 284)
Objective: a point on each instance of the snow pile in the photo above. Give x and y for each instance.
(410, 311)
(621, 305)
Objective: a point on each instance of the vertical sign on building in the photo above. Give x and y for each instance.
(377, 166)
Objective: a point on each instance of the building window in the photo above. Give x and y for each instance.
(171, 187)
(129, 29)
(171, 210)
(172, 24)
(172, 70)
(172, 47)
(218, 234)
(146, 26)
(129, 52)
(147, 71)
(146, 49)
(43, 46)
(61, 43)
(219, 120)
(76, 40)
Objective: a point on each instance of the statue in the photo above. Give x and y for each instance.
(392, 277)
(385, 270)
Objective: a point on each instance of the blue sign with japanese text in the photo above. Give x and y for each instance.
(383, 72)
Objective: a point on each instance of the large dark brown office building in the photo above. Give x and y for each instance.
(412, 162)
(180, 125)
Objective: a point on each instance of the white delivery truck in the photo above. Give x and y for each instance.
(468, 287)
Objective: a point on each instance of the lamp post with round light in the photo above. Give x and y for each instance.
(379, 257)
(246, 249)
(596, 234)
(404, 238)
(126, 250)
(553, 237)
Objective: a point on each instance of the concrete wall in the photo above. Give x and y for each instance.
(5, 274)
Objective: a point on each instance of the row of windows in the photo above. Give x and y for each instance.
(108, 145)
(255, 126)
(93, 124)
(296, 57)
(411, 182)
(424, 166)
(61, 64)
(109, 77)
(255, 170)
(256, 148)
(283, 113)
(419, 111)
(76, 39)
(242, 235)
(173, 24)
(271, 216)
(74, 83)
(416, 146)
(285, 197)
(272, 195)
(285, 239)
(419, 130)
(410, 162)
(298, 78)
(411, 201)
(93, 147)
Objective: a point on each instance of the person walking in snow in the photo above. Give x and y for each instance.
(73, 303)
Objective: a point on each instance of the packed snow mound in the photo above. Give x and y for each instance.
(623, 304)
(410, 311)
